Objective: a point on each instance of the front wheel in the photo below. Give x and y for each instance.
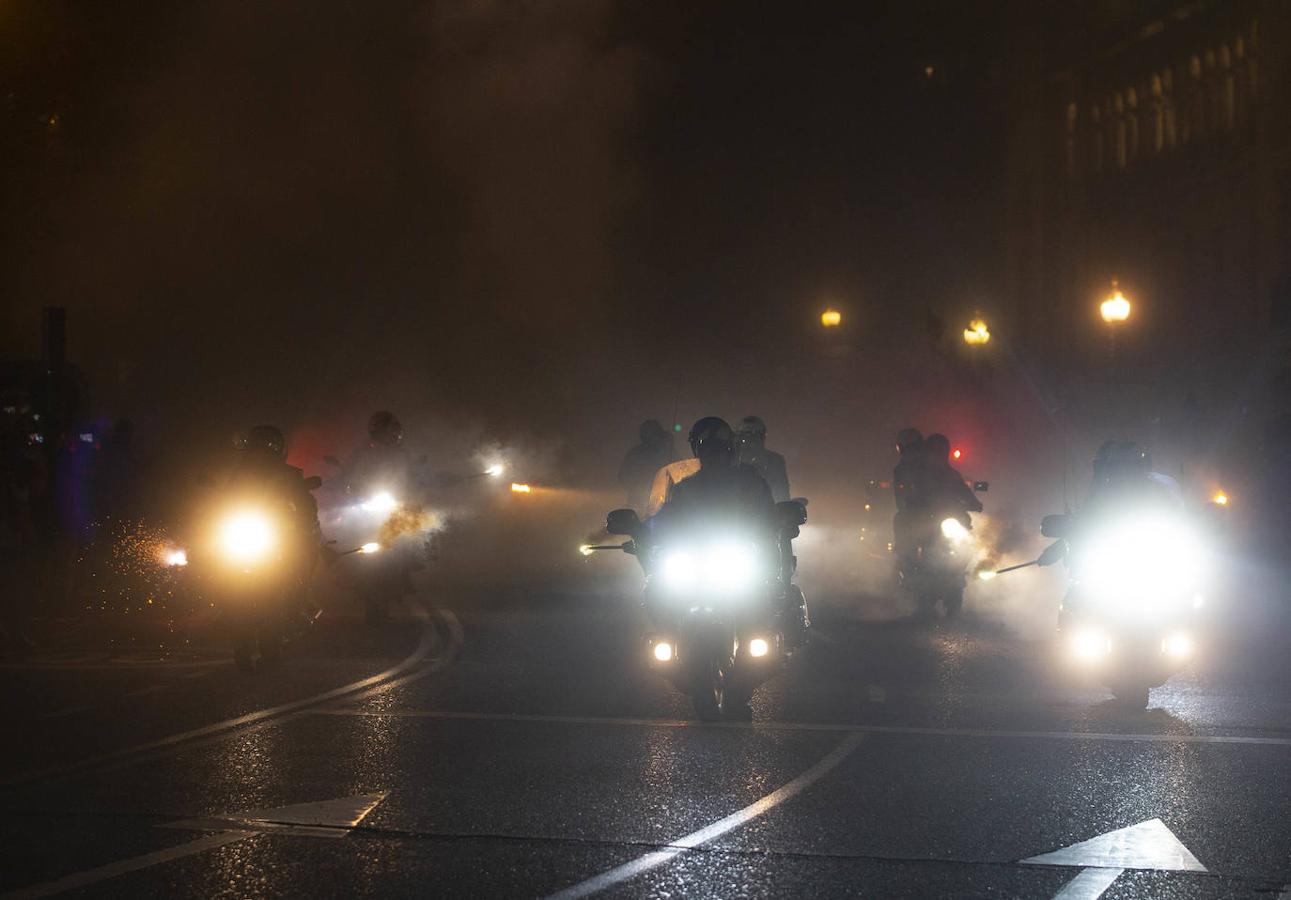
(1132, 696)
(709, 692)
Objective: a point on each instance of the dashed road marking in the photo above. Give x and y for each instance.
(675, 848)
(1111, 737)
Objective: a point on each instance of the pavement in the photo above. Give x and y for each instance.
(514, 743)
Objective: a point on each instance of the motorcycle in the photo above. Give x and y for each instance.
(935, 573)
(1136, 589)
(254, 557)
(726, 613)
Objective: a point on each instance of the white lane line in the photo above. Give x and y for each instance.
(641, 864)
(1113, 737)
(67, 711)
(1088, 885)
(412, 660)
(124, 866)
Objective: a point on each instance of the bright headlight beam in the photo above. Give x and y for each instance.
(495, 470)
(663, 651)
(175, 556)
(247, 536)
(759, 647)
(370, 547)
(380, 502)
(1177, 645)
(1090, 646)
(953, 530)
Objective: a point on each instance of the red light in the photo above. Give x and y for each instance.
(957, 453)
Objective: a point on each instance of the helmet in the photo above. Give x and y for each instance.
(1118, 459)
(384, 428)
(908, 439)
(752, 428)
(651, 431)
(266, 440)
(937, 446)
(711, 436)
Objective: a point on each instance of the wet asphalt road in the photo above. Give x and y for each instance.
(513, 743)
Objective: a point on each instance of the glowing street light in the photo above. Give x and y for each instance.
(977, 333)
(831, 318)
(1116, 308)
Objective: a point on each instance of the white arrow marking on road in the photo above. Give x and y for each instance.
(1147, 845)
(328, 818)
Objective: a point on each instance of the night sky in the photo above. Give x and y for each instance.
(544, 216)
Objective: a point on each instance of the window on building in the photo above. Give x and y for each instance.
(1168, 108)
(1228, 89)
(1194, 122)
(1096, 139)
(1118, 130)
(1132, 124)
(1158, 114)
(1070, 136)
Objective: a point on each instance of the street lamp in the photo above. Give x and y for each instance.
(831, 318)
(977, 333)
(1115, 309)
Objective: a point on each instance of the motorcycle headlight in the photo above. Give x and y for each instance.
(247, 537)
(954, 530)
(380, 502)
(1148, 565)
(1090, 645)
(722, 568)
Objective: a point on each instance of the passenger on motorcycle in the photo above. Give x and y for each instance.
(752, 442)
(637, 472)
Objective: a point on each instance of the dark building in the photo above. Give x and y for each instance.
(1149, 142)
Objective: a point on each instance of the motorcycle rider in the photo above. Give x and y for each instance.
(637, 472)
(725, 489)
(1123, 479)
(381, 464)
(940, 489)
(262, 467)
(752, 439)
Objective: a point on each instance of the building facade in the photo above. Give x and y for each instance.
(1149, 142)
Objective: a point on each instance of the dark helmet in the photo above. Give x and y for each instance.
(1121, 459)
(752, 429)
(908, 439)
(711, 436)
(937, 447)
(652, 432)
(384, 428)
(266, 440)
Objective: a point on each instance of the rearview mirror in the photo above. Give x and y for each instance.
(623, 521)
(791, 513)
(1055, 526)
